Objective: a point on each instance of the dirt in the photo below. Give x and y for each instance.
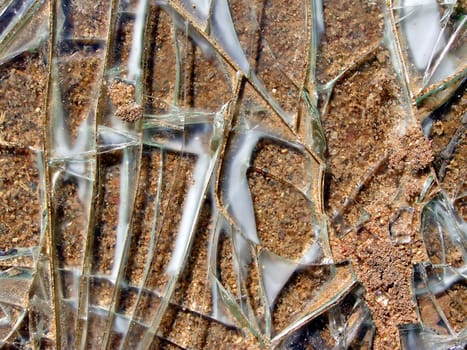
(22, 90)
(123, 97)
(381, 177)
(377, 161)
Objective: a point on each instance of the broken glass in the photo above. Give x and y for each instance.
(431, 36)
(439, 294)
(186, 173)
(444, 232)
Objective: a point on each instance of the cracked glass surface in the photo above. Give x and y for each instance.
(234, 174)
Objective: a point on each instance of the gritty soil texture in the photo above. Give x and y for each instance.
(375, 171)
(123, 97)
(78, 85)
(22, 88)
(353, 28)
(88, 18)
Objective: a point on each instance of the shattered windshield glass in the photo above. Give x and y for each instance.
(241, 174)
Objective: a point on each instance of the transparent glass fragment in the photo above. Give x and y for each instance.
(432, 38)
(174, 174)
(399, 225)
(444, 232)
(439, 292)
(346, 325)
(24, 27)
